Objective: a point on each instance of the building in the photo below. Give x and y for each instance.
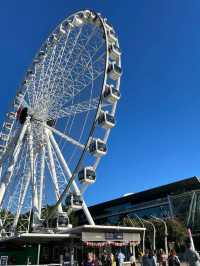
(180, 199)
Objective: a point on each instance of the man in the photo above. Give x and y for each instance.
(121, 258)
(191, 256)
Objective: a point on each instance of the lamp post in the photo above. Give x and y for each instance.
(154, 232)
(166, 232)
(144, 233)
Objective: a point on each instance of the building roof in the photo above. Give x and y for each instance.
(175, 188)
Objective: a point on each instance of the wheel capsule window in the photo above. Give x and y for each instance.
(87, 175)
(111, 94)
(106, 120)
(77, 21)
(114, 71)
(97, 148)
(111, 36)
(74, 201)
(114, 52)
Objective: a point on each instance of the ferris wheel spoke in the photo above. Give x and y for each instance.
(78, 108)
(50, 86)
(59, 58)
(64, 136)
(78, 55)
(81, 82)
(43, 88)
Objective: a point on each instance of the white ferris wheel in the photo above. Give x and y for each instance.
(56, 132)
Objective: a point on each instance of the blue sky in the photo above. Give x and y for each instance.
(157, 137)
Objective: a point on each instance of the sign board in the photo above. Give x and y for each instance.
(113, 236)
(4, 260)
(110, 236)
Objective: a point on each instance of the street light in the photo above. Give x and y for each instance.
(166, 232)
(144, 233)
(154, 232)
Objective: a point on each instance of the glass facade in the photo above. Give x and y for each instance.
(179, 199)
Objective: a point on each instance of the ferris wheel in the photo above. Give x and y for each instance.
(56, 132)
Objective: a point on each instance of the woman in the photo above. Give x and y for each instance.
(162, 258)
(112, 259)
(90, 260)
(173, 259)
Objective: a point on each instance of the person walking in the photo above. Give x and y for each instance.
(173, 259)
(121, 258)
(89, 261)
(191, 256)
(151, 259)
(145, 258)
(111, 259)
(162, 258)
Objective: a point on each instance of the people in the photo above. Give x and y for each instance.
(191, 256)
(89, 261)
(104, 258)
(145, 258)
(121, 258)
(162, 258)
(151, 259)
(132, 260)
(111, 259)
(173, 259)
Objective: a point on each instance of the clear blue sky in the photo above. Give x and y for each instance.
(157, 137)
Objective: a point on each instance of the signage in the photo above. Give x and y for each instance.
(113, 236)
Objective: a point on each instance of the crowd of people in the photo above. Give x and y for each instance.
(107, 259)
(149, 258)
(191, 257)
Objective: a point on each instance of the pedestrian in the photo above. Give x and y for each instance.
(162, 258)
(145, 258)
(191, 256)
(151, 259)
(173, 259)
(132, 260)
(121, 258)
(89, 261)
(111, 259)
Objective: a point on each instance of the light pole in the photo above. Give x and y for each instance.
(154, 232)
(166, 232)
(144, 233)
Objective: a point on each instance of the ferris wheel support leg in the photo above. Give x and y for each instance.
(53, 171)
(21, 201)
(42, 169)
(36, 217)
(68, 172)
(7, 177)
